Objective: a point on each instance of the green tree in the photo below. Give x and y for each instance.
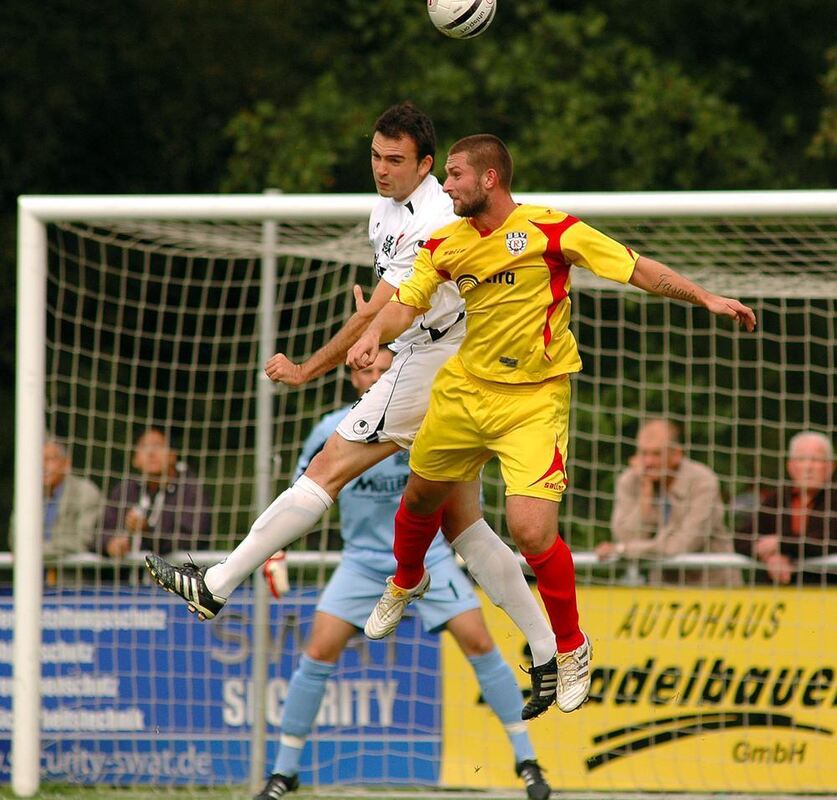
(823, 146)
(763, 57)
(581, 109)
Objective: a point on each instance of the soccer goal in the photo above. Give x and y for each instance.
(161, 311)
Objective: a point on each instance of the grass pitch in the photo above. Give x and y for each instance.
(66, 792)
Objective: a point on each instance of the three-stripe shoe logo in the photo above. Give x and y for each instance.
(544, 684)
(549, 684)
(574, 676)
(186, 582)
(187, 587)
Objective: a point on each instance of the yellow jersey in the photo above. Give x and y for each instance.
(515, 281)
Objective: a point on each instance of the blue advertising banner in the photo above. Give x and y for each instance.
(136, 691)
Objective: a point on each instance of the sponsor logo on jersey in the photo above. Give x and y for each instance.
(466, 282)
(516, 242)
(506, 277)
(387, 247)
(380, 484)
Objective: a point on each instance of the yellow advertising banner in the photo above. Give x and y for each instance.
(692, 690)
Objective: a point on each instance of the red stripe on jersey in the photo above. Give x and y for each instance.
(559, 269)
(557, 464)
(431, 245)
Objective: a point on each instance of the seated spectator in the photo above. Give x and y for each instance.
(667, 505)
(162, 508)
(799, 519)
(72, 509)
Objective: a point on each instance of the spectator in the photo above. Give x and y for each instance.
(797, 520)
(666, 505)
(162, 508)
(72, 506)
(72, 510)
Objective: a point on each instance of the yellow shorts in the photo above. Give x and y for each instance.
(469, 420)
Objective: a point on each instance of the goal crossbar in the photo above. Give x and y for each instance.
(290, 207)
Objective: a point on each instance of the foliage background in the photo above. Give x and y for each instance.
(174, 96)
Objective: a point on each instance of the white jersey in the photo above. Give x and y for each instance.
(396, 232)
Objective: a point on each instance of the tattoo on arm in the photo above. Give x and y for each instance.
(665, 287)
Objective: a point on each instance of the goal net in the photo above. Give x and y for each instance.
(161, 317)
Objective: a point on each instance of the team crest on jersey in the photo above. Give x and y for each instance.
(516, 242)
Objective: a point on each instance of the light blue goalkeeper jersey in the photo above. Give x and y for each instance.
(368, 505)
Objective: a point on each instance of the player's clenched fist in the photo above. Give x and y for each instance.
(282, 370)
(364, 351)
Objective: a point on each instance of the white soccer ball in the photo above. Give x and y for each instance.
(461, 19)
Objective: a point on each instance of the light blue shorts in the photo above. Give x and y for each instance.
(351, 595)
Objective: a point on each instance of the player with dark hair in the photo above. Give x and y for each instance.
(406, 119)
(385, 420)
(507, 391)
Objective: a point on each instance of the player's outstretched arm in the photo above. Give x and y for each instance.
(657, 278)
(392, 320)
(282, 370)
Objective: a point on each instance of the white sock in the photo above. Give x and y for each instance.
(288, 517)
(495, 567)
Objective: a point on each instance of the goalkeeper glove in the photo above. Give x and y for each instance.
(275, 572)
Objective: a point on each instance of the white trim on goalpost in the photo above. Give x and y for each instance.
(33, 214)
(28, 505)
(48, 208)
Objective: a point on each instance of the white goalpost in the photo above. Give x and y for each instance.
(161, 310)
(34, 214)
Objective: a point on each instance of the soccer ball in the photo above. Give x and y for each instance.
(461, 19)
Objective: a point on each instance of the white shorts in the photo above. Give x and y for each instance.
(392, 409)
